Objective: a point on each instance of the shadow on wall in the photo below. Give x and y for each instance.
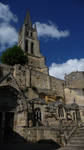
(15, 142)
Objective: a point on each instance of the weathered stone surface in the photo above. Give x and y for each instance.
(35, 105)
(75, 80)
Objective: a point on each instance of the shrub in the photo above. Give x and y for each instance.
(13, 56)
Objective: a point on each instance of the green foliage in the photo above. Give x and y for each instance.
(13, 56)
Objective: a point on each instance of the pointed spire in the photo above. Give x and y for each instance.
(27, 20)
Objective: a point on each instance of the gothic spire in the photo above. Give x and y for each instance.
(27, 20)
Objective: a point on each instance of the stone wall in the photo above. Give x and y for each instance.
(20, 74)
(74, 90)
(32, 79)
(26, 78)
(36, 61)
(4, 70)
(34, 134)
(77, 94)
(82, 113)
(57, 85)
(20, 119)
(40, 80)
(75, 80)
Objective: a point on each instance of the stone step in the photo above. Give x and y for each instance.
(79, 132)
(75, 144)
(72, 148)
(77, 138)
(78, 135)
(81, 128)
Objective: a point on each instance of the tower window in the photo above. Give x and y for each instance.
(31, 34)
(32, 48)
(27, 33)
(26, 45)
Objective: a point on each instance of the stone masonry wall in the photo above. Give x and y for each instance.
(34, 79)
(40, 80)
(77, 94)
(26, 78)
(75, 80)
(4, 70)
(57, 85)
(34, 134)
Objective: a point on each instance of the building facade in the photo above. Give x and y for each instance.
(33, 104)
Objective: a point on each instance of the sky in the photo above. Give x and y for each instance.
(60, 26)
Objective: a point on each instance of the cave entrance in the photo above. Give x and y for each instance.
(6, 126)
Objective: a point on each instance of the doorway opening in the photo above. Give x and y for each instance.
(6, 126)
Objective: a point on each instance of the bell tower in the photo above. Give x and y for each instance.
(28, 38)
(28, 41)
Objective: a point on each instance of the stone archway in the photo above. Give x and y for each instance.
(8, 104)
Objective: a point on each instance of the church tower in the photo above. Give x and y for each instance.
(28, 41)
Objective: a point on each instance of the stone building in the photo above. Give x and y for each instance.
(33, 104)
(74, 90)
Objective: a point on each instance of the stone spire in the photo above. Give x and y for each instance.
(27, 20)
(29, 43)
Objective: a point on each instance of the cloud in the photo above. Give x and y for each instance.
(8, 33)
(5, 13)
(59, 70)
(50, 30)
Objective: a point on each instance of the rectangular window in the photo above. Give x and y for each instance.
(32, 48)
(31, 34)
(27, 33)
(26, 46)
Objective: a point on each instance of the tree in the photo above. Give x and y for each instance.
(13, 56)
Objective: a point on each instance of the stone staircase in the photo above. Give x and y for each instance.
(76, 142)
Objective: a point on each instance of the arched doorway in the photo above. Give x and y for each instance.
(8, 104)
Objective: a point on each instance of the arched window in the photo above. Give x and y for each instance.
(37, 117)
(74, 118)
(60, 112)
(27, 33)
(78, 115)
